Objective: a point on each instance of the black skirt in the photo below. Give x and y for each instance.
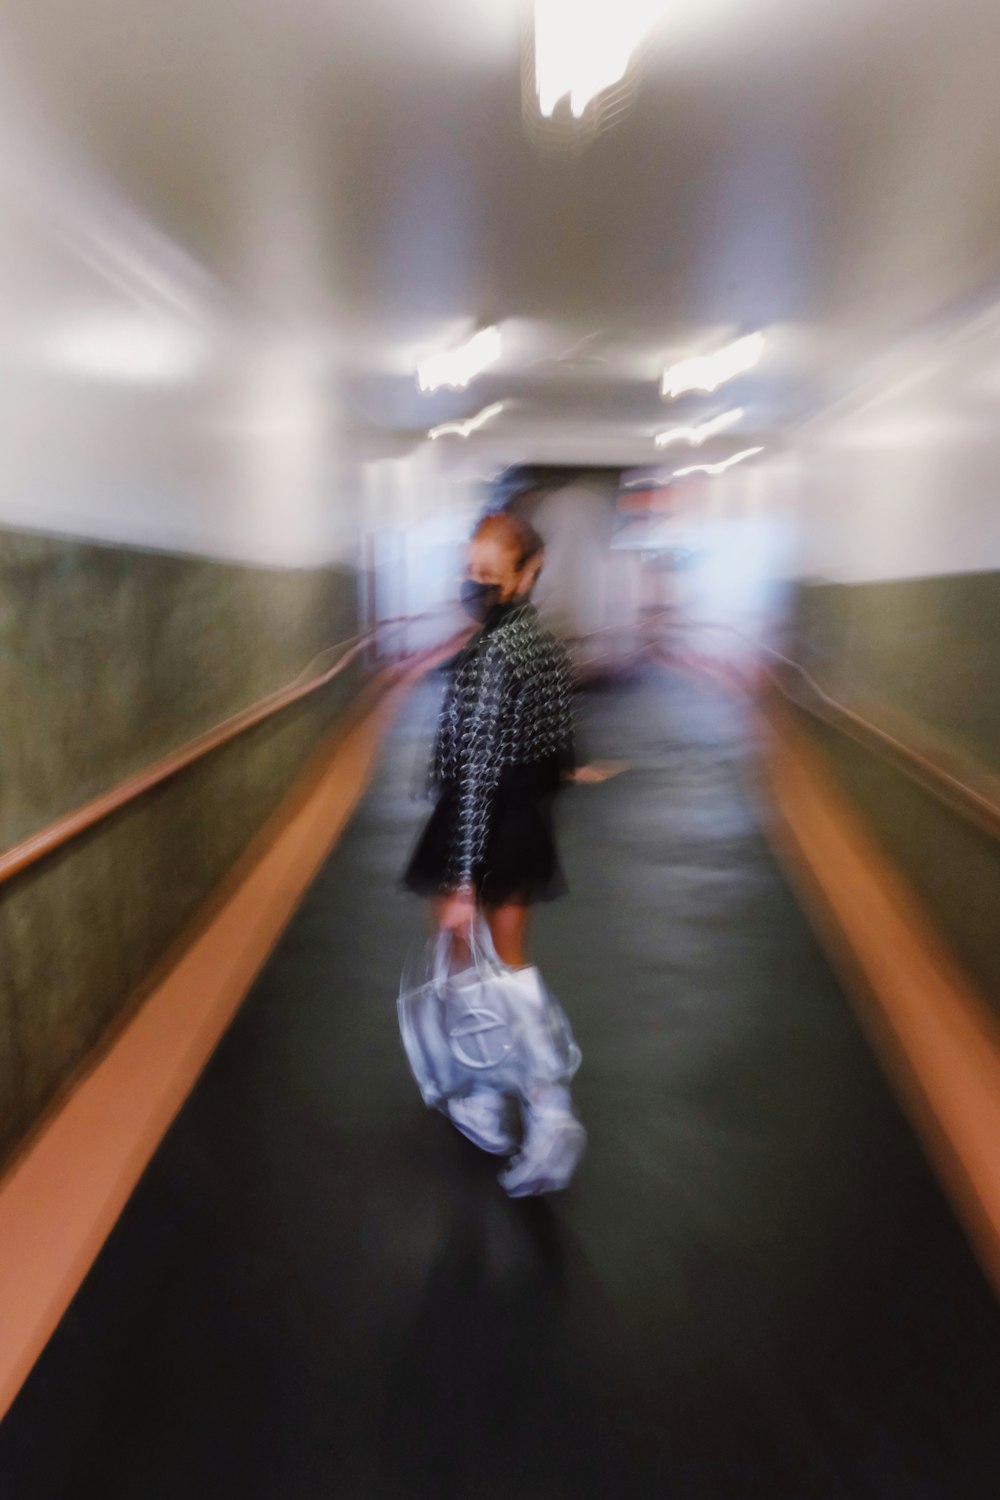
(520, 863)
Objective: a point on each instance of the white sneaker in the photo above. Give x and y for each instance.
(481, 1117)
(552, 1150)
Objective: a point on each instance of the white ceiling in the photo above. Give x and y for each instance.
(361, 174)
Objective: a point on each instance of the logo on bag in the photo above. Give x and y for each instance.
(480, 1039)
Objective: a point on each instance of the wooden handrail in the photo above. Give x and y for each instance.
(972, 804)
(62, 830)
(949, 789)
(956, 794)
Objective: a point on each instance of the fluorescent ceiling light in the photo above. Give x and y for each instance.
(584, 47)
(697, 435)
(131, 349)
(455, 368)
(472, 424)
(706, 372)
(720, 468)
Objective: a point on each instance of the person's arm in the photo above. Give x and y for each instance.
(478, 774)
(570, 767)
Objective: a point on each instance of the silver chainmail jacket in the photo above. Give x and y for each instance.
(508, 704)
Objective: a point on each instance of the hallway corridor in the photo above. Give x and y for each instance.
(754, 1289)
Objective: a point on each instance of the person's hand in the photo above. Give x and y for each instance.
(459, 911)
(599, 770)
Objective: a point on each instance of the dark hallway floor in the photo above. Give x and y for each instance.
(755, 1288)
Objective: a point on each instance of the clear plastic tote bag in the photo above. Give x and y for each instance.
(485, 1026)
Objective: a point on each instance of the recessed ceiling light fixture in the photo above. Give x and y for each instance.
(720, 468)
(585, 47)
(471, 425)
(706, 372)
(697, 435)
(453, 369)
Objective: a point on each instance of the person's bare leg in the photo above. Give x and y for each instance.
(509, 931)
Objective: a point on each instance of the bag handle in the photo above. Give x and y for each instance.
(484, 954)
(481, 950)
(441, 961)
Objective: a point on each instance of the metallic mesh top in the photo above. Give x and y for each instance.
(508, 704)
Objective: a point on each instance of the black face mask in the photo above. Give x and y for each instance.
(479, 598)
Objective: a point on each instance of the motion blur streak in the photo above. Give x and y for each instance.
(718, 468)
(472, 424)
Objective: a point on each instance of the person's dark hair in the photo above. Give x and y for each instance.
(512, 531)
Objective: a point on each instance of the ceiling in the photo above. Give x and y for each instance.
(362, 175)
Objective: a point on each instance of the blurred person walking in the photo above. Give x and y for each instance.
(504, 746)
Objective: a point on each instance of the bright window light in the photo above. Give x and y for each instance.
(706, 372)
(720, 468)
(455, 368)
(697, 435)
(467, 428)
(583, 47)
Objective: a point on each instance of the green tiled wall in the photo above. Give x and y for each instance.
(927, 650)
